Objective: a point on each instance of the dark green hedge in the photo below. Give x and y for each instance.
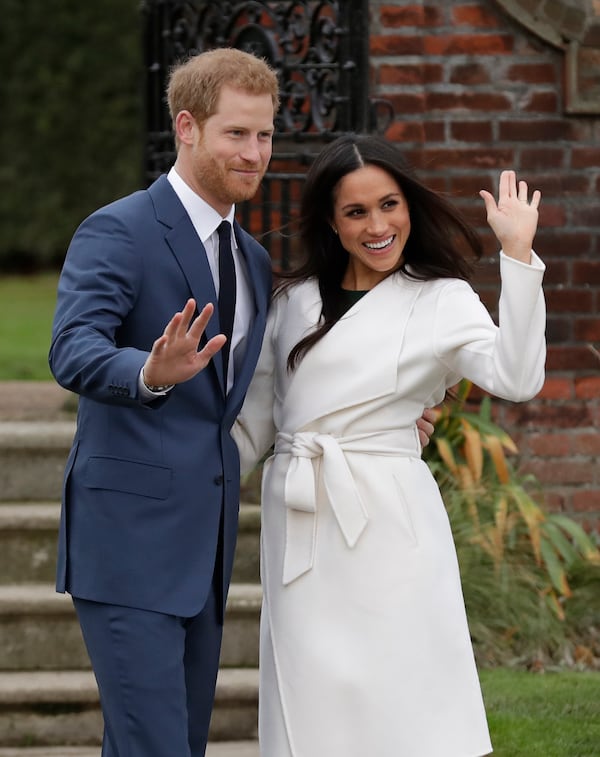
(71, 123)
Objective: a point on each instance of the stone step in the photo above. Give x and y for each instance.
(61, 708)
(214, 749)
(39, 629)
(28, 542)
(32, 459)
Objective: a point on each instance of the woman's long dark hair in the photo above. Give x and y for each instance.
(439, 244)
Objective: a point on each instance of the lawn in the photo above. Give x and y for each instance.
(26, 310)
(543, 715)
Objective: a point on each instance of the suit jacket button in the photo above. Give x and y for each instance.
(218, 480)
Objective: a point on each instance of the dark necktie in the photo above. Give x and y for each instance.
(226, 291)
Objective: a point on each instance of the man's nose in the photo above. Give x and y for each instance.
(251, 150)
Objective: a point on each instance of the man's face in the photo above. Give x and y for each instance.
(230, 151)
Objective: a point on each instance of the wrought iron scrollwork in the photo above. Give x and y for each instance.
(319, 49)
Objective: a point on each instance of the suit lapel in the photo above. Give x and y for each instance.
(190, 254)
(256, 278)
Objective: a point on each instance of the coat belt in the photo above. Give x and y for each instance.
(300, 492)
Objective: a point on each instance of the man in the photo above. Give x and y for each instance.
(151, 493)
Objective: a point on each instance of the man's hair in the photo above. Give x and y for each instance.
(195, 84)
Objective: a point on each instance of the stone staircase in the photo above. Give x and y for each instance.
(48, 695)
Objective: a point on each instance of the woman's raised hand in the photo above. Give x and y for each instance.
(514, 218)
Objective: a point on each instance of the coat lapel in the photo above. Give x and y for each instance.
(357, 360)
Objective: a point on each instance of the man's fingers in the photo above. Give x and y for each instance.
(213, 345)
(200, 323)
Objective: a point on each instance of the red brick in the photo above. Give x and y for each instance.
(434, 131)
(405, 131)
(554, 502)
(557, 273)
(471, 131)
(562, 184)
(562, 471)
(586, 215)
(545, 415)
(566, 358)
(468, 44)
(586, 271)
(544, 158)
(563, 242)
(543, 130)
(469, 185)
(395, 45)
(588, 387)
(586, 444)
(533, 73)
(557, 389)
(474, 16)
(471, 101)
(584, 157)
(410, 15)
(469, 73)
(541, 102)
(569, 300)
(559, 329)
(552, 215)
(410, 74)
(549, 445)
(587, 330)
(407, 103)
(586, 500)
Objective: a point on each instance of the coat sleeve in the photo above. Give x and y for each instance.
(506, 360)
(254, 429)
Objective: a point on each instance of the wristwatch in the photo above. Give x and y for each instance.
(156, 389)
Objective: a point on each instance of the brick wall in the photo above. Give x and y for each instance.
(480, 86)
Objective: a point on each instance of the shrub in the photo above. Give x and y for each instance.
(527, 574)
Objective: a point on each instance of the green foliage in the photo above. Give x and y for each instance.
(71, 135)
(526, 572)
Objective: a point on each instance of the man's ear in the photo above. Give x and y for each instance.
(185, 125)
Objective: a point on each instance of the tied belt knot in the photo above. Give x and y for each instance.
(300, 489)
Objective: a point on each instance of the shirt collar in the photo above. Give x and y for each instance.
(203, 216)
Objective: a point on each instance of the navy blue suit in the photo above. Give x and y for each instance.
(151, 494)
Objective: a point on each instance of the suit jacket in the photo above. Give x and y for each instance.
(145, 484)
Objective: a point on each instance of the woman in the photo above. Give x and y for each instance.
(365, 648)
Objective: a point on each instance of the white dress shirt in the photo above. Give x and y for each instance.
(206, 220)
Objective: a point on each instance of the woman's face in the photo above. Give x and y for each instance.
(370, 215)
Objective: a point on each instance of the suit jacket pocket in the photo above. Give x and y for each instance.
(128, 476)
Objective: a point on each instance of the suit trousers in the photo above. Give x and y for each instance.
(156, 675)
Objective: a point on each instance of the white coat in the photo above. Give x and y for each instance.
(365, 648)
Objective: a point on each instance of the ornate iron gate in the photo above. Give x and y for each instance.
(320, 51)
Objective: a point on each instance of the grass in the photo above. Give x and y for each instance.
(26, 311)
(543, 715)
